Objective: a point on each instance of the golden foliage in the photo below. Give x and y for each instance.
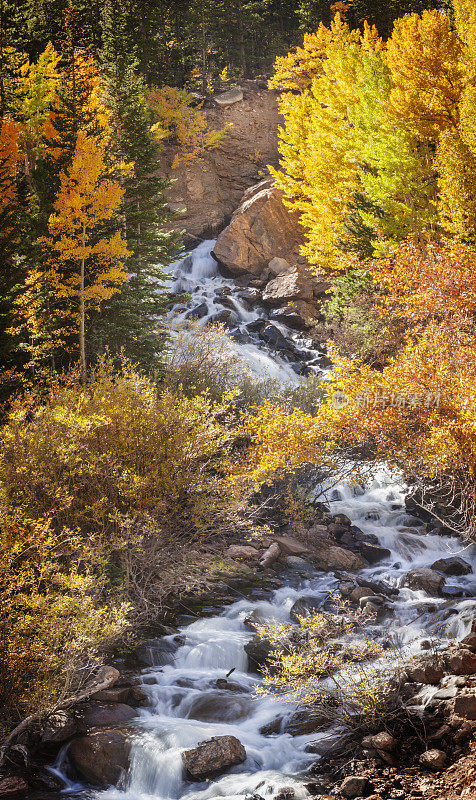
(97, 482)
(424, 55)
(177, 119)
(325, 645)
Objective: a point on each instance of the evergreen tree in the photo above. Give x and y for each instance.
(129, 321)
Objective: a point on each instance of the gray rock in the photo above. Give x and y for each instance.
(258, 652)
(213, 757)
(228, 98)
(304, 607)
(59, 727)
(301, 723)
(156, 652)
(220, 706)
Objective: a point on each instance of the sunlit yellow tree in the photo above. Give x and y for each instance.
(86, 264)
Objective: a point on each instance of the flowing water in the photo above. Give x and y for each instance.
(186, 707)
(269, 349)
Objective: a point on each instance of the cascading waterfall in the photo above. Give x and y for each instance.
(283, 355)
(186, 705)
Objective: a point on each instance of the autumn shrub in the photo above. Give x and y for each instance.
(179, 120)
(103, 485)
(203, 359)
(329, 663)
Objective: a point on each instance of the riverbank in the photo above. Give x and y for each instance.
(183, 695)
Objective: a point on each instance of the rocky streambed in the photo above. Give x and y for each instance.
(191, 725)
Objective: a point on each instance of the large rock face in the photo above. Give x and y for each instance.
(213, 757)
(260, 230)
(206, 192)
(101, 758)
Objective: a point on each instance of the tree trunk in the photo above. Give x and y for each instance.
(204, 55)
(82, 335)
(241, 40)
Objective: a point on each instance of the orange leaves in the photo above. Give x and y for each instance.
(9, 158)
(430, 282)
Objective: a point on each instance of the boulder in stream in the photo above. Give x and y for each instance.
(213, 757)
(453, 566)
(332, 557)
(425, 579)
(101, 758)
(374, 552)
(258, 651)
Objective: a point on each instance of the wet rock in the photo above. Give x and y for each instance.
(299, 565)
(225, 317)
(361, 592)
(260, 229)
(101, 715)
(13, 787)
(452, 566)
(220, 707)
(425, 579)
(258, 652)
(256, 325)
(230, 686)
(101, 758)
(462, 662)
(354, 786)
(380, 741)
(240, 552)
(272, 727)
(337, 558)
(305, 607)
(452, 592)
(156, 652)
(298, 314)
(59, 727)
(290, 546)
(197, 312)
(250, 295)
(433, 759)
(374, 552)
(273, 336)
(301, 723)
(213, 757)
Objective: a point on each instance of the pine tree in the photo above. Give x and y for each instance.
(130, 321)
